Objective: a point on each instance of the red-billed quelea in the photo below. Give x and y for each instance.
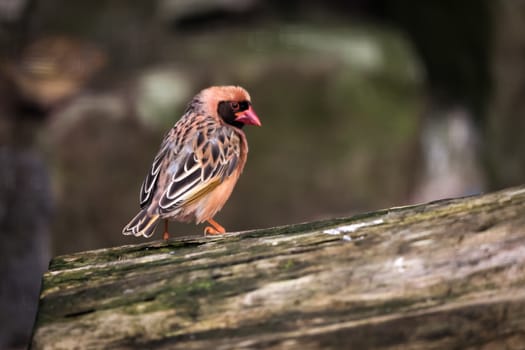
(198, 164)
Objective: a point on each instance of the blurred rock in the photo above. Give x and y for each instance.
(52, 69)
(98, 152)
(111, 105)
(161, 93)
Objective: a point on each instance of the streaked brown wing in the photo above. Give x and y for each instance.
(149, 185)
(211, 155)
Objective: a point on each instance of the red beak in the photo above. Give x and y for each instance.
(248, 117)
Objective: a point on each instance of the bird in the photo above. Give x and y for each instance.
(199, 162)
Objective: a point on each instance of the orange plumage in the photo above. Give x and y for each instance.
(198, 164)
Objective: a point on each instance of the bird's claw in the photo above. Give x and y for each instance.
(208, 230)
(214, 229)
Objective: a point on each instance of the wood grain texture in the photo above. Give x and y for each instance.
(448, 274)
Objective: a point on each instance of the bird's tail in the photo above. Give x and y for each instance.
(142, 224)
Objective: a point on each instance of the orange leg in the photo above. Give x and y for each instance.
(214, 229)
(166, 234)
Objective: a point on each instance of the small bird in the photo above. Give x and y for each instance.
(198, 164)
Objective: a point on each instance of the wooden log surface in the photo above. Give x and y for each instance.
(443, 275)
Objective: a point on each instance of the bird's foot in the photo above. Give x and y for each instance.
(208, 230)
(166, 234)
(214, 229)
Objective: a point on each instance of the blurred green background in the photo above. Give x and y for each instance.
(365, 105)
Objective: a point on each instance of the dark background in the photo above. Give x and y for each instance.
(364, 104)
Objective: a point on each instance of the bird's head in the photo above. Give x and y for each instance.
(230, 104)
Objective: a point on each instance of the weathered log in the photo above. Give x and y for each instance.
(448, 274)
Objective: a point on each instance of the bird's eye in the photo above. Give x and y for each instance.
(235, 106)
